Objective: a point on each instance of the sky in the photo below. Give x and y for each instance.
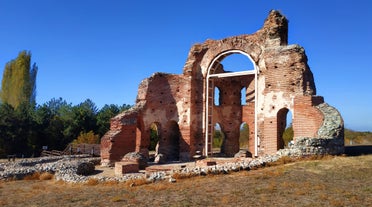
(102, 49)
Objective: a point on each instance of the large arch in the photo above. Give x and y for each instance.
(213, 66)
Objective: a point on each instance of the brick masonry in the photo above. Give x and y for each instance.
(177, 104)
(126, 167)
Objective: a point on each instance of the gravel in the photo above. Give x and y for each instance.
(79, 169)
(68, 168)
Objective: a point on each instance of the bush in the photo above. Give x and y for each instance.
(87, 138)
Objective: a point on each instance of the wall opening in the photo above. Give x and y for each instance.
(284, 128)
(288, 132)
(216, 96)
(218, 139)
(235, 70)
(154, 140)
(244, 136)
(236, 62)
(243, 93)
(172, 141)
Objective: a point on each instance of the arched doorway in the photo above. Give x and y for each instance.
(222, 70)
(284, 128)
(218, 139)
(154, 133)
(171, 144)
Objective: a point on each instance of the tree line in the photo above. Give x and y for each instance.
(25, 126)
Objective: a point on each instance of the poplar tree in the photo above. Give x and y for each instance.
(18, 85)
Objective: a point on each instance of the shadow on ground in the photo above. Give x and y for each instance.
(358, 150)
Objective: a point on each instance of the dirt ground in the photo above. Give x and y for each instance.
(334, 181)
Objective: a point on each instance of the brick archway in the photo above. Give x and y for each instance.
(214, 71)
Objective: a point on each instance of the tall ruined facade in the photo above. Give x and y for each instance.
(183, 110)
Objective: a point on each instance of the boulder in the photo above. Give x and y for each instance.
(136, 157)
(243, 153)
(160, 159)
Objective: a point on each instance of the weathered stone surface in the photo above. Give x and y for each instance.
(243, 153)
(136, 157)
(182, 106)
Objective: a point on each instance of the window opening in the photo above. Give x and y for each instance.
(218, 139)
(288, 132)
(217, 96)
(244, 136)
(244, 96)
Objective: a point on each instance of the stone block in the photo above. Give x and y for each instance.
(126, 167)
(137, 158)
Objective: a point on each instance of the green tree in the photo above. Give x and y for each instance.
(87, 138)
(85, 117)
(19, 81)
(104, 116)
(154, 136)
(8, 122)
(18, 130)
(218, 138)
(50, 125)
(244, 136)
(288, 135)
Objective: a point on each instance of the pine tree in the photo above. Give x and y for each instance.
(19, 81)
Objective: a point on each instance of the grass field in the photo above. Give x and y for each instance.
(332, 181)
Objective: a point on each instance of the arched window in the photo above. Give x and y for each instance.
(284, 128)
(288, 132)
(237, 62)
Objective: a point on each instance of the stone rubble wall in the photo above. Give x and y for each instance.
(79, 169)
(69, 168)
(329, 140)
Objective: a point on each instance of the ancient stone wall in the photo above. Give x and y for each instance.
(184, 112)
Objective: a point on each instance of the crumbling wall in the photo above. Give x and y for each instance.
(163, 99)
(281, 82)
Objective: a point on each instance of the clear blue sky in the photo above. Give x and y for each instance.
(102, 49)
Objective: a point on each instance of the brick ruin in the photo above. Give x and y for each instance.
(182, 105)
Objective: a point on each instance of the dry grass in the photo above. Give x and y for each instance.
(92, 182)
(330, 181)
(179, 176)
(39, 176)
